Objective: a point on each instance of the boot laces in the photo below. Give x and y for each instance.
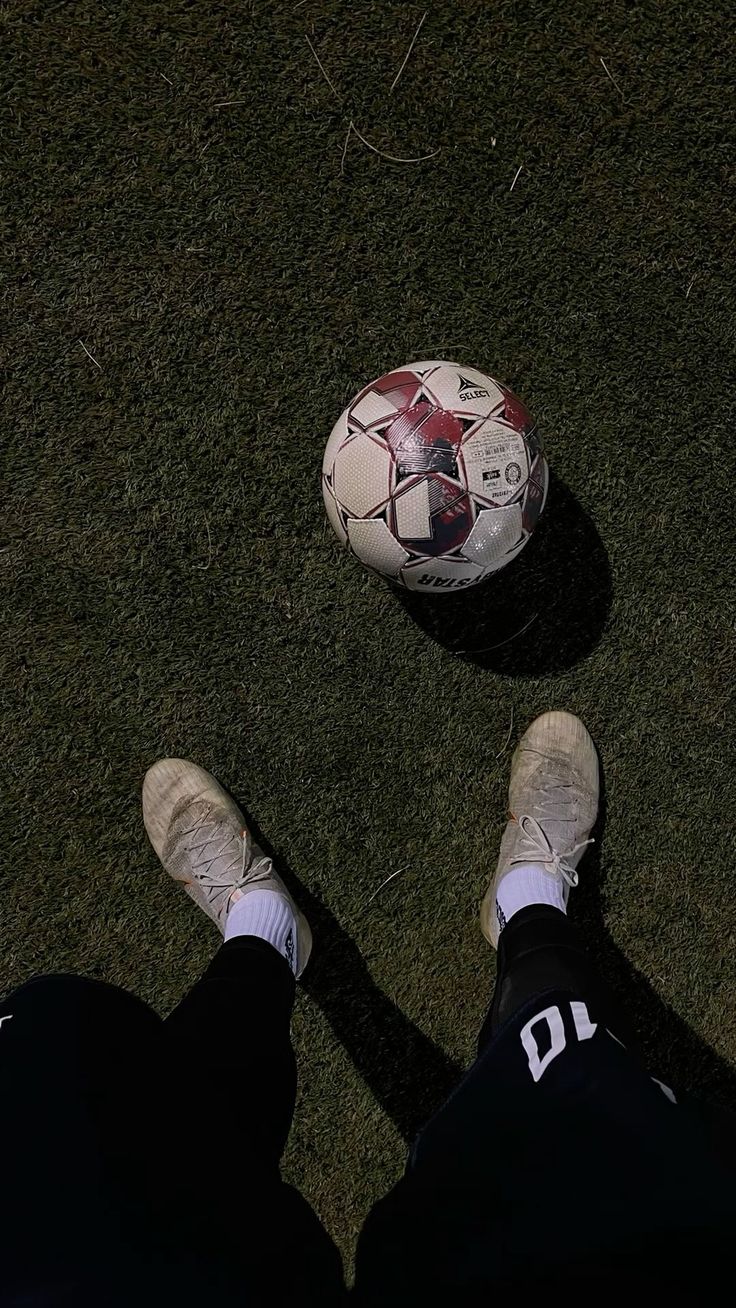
(538, 848)
(218, 857)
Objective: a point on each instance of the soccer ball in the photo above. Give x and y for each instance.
(434, 476)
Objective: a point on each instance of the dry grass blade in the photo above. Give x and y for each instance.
(345, 147)
(515, 636)
(397, 873)
(488, 648)
(516, 178)
(394, 158)
(323, 70)
(505, 745)
(90, 356)
(411, 47)
(611, 77)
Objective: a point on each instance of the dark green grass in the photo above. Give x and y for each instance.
(170, 585)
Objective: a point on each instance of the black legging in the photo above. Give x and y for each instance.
(141, 1157)
(541, 949)
(558, 1158)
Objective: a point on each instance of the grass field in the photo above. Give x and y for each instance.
(176, 203)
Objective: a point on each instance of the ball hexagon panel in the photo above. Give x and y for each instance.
(412, 511)
(496, 535)
(375, 546)
(363, 476)
(463, 391)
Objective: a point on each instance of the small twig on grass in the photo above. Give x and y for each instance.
(690, 287)
(411, 47)
(505, 745)
(516, 178)
(322, 69)
(222, 104)
(385, 883)
(166, 79)
(611, 78)
(516, 634)
(90, 356)
(487, 648)
(393, 157)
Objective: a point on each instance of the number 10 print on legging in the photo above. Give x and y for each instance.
(584, 1029)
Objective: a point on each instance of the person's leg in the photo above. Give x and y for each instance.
(557, 1156)
(228, 1054)
(230, 1037)
(74, 1060)
(541, 949)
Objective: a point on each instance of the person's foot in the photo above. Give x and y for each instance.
(202, 839)
(553, 803)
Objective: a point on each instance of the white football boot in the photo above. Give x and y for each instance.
(202, 839)
(553, 804)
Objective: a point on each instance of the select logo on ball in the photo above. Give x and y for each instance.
(469, 390)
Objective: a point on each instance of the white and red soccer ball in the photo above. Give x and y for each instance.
(434, 477)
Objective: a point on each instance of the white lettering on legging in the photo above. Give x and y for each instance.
(553, 1018)
(665, 1089)
(584, 1029)
(6, 1018)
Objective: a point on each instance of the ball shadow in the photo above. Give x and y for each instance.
(543, 613)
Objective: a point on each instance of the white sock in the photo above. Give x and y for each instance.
(268, 915)
(526, 884)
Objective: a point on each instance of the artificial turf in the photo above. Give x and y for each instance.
(176, 201)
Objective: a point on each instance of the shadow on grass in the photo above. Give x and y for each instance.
(554, 598)
(672, 1051)
(408, 1074)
